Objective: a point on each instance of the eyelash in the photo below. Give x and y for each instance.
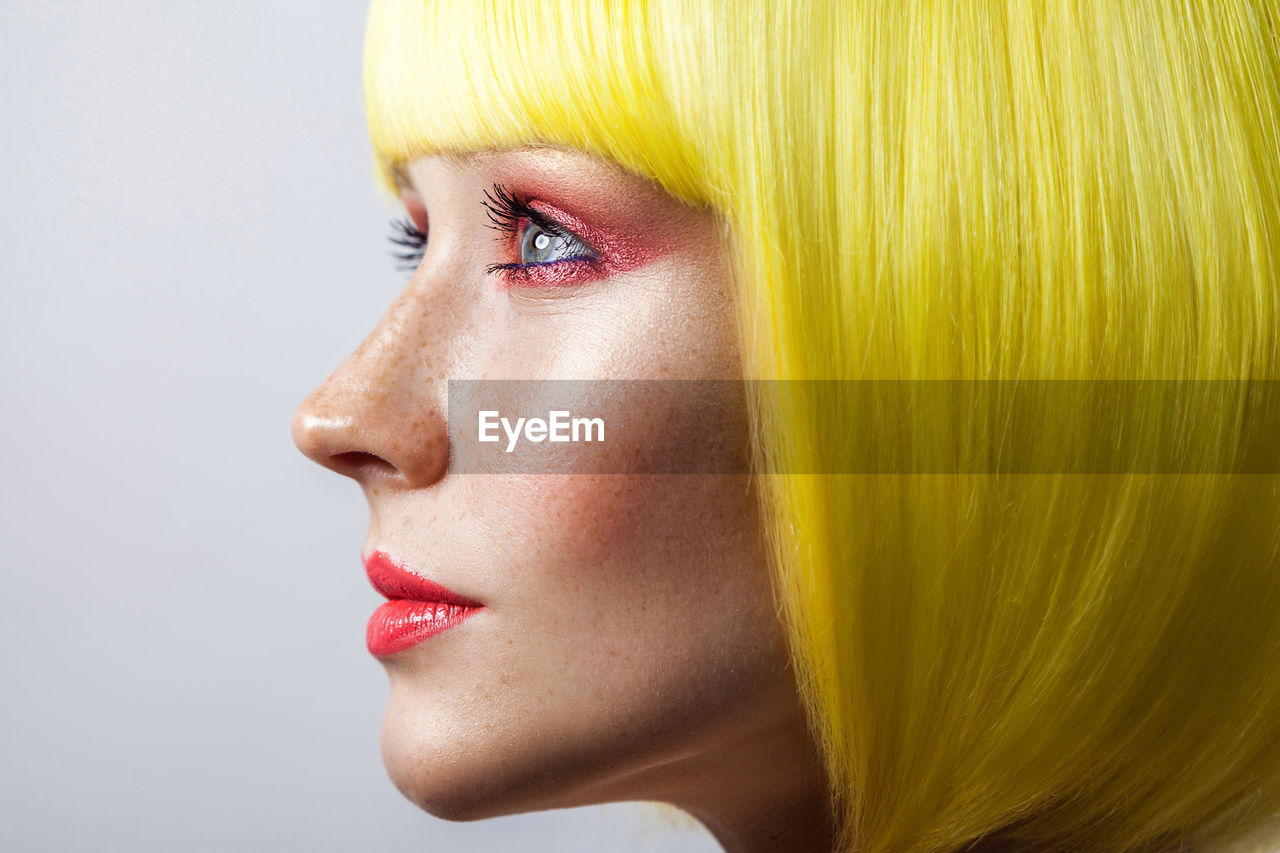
(507, 213)
(407, 236)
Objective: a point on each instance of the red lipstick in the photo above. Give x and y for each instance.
(416, 608)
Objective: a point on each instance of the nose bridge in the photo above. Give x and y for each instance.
(383, 410)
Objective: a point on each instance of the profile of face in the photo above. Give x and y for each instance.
(627, 644)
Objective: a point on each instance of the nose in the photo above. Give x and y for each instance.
(381, 414)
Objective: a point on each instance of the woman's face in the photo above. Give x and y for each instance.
(628, 645)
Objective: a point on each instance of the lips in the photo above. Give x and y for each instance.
(416, 609)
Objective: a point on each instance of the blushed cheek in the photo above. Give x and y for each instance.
(597, 517)
(627, 528)
(572, 520)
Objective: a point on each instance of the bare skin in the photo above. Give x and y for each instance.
(629, 648)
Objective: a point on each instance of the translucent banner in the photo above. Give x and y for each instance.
(866, 426)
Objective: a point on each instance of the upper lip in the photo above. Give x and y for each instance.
(396, 580)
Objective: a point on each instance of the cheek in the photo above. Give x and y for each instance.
(591, 518)
(602, 546)
(643, 596)
(572, 520)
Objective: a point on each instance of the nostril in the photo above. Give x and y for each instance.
(354, 462)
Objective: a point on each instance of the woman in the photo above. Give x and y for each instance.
(937, 652)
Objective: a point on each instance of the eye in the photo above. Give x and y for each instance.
(538, 245)
(545, 252)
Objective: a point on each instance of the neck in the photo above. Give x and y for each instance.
(770, 794)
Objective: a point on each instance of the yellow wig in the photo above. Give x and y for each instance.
(974, 190)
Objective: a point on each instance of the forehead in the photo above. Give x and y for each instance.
(534, 168)
(461, 162)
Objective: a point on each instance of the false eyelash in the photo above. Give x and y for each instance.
(506, 210)
(405, 234)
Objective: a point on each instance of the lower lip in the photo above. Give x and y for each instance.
(402, 623)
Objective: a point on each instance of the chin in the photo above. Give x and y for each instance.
(446, 781)
(464, 773)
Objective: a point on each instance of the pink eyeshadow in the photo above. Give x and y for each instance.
(616, 253)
